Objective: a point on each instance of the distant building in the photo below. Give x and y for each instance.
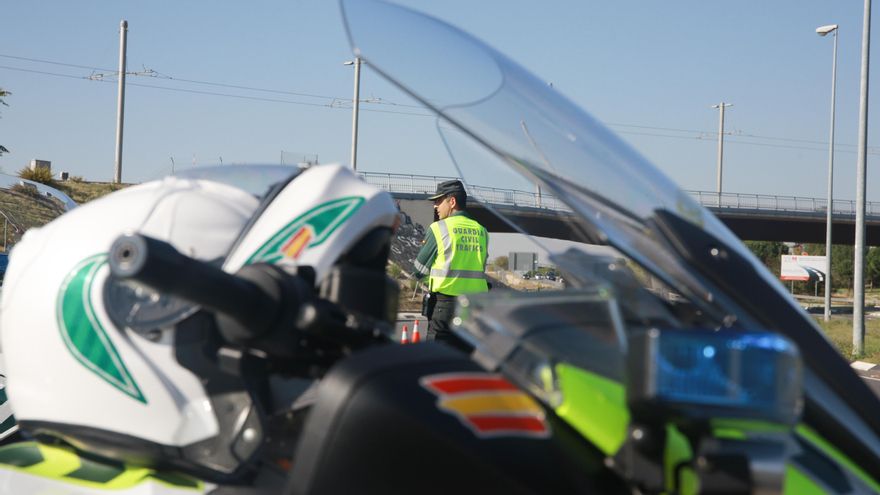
(35, 164)
(522, 262)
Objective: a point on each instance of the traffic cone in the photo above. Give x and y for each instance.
(415, 336)
(404, 338)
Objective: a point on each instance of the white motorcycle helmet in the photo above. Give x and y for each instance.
(92, 360)
(118, 370)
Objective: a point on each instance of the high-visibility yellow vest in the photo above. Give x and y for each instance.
(462, 248)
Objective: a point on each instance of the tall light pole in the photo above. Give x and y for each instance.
(355, 105)
(721, 106)
(861, 168)
(822, 31)
(120, 103)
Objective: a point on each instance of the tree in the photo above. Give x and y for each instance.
(770, 253)
(3, 93)
(872, 265)
(842, 266)
(814, 249)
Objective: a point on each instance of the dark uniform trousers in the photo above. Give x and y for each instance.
(440, 313)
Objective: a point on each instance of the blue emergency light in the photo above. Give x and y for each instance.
(715, 374)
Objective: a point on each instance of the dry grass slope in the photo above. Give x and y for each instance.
(83, 192)
(24, 208)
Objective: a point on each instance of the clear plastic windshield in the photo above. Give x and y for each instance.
(254, 179)
(508, 131)
(26, 204)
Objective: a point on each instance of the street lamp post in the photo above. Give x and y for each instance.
(822, 31)
(120, 101)
(861, 171)
(721, 106)
(355, 105)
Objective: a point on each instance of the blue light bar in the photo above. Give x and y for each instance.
(702, 373)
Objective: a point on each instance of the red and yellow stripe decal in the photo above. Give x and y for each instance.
(488, 405)
(297, 243)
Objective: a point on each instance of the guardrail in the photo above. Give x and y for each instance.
(780, 203)
(427, 184)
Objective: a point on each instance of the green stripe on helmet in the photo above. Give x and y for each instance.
(82, 331)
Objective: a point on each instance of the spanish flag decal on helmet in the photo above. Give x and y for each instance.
(297, 243)
(307, 230)
(488, 404)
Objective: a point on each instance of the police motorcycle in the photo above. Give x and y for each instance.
(157, 340)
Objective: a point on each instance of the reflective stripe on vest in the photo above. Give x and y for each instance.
(462, 248)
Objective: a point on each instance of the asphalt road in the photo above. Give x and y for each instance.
(872, 378)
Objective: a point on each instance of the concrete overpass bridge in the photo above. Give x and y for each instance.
(749, 216)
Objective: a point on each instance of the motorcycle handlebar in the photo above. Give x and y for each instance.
(260, 306)
(158, 265)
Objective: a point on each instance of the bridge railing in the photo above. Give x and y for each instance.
(427, 184)
(780, 203)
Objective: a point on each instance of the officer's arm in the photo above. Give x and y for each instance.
(486, 258)
(426, 255)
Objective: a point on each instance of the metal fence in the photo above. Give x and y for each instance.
(780, 203)
(427, 184)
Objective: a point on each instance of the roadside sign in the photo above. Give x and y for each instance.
(803, 268)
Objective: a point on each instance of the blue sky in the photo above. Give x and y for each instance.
(649, 70)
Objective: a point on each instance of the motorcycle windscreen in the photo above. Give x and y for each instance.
(256, 180)
(541, 145)
(22, 207)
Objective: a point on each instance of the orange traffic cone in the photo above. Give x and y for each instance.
(416, 337)
(404, 338)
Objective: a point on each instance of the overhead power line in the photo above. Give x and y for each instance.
(214, 93)
(697, 134)
(159, 75)
(377, 101)
(19, 69)
(872, 151)
(42, 61)
(341, 102)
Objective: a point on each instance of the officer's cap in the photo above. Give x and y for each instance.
(450, 187)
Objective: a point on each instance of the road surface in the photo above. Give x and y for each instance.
(872, 378)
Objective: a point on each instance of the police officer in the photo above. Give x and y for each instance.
(454, 255)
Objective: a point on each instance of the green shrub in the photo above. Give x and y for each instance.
(43, 175)
(394, 271)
